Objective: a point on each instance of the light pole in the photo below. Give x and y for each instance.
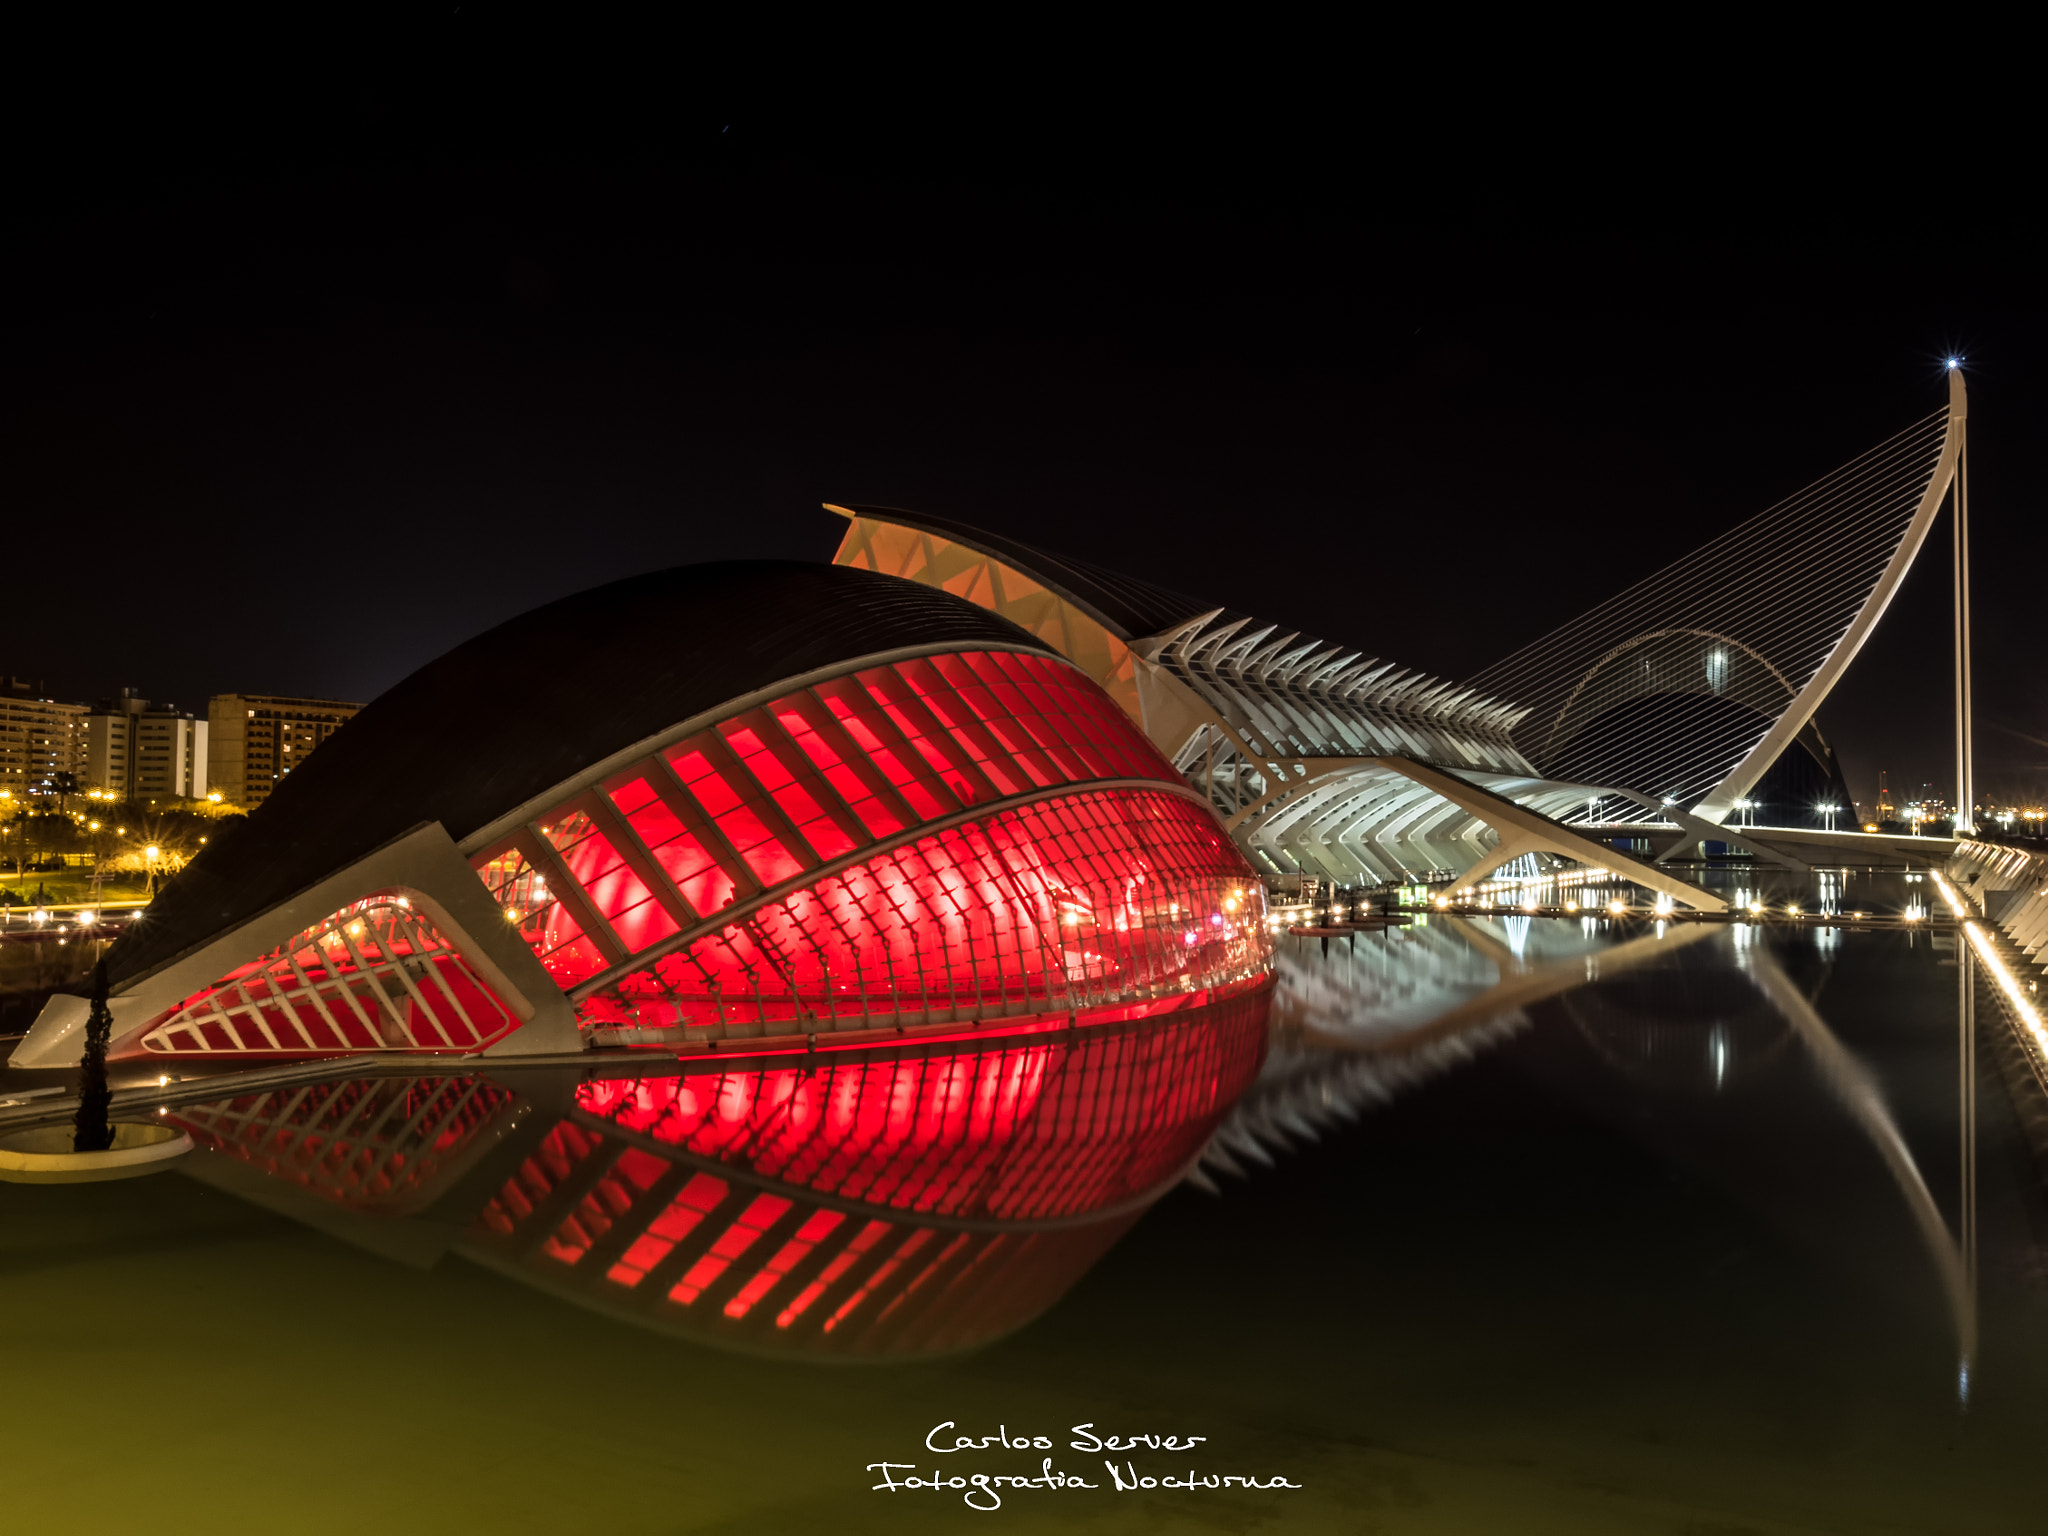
(1829, 812)
(149, 885)
(99, 863)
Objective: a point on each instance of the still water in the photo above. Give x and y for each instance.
(1525, 1224)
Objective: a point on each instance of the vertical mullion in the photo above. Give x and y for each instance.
(365, 970)
(565, 888)
(785, 751)
(811, 707)
(661, 778)
(754, 794)
(605, 816)
(897, 692)
(414, 929)
(854, 694)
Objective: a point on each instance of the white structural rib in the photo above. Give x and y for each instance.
(1742, 778)
(1691, 683)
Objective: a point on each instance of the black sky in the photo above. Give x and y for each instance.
(310, 374)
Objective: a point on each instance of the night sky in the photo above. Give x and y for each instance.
(306, 380)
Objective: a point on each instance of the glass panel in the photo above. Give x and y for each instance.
(859, 718)
(827, 839)
(964, 725)
(687, 862)
(615, 889)
(743, 827)
(873, 813)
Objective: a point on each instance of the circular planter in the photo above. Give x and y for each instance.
(44, 1155)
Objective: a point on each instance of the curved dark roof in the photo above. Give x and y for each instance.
(1129, 608)
(504, 716)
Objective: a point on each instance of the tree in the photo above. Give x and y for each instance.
(63, 786)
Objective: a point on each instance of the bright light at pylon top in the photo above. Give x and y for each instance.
(1954, 363)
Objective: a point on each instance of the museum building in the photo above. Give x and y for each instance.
(730, 802)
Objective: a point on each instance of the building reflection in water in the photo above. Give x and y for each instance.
(1682, 1013)
(859, 1204)
(1357, 1021)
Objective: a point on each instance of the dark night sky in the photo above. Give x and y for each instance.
(305, 381)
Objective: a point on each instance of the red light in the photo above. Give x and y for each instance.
(375, 976)
(1085, 898)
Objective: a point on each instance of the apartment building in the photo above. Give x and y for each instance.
(39, 738)
(254, 740)
(141, 751)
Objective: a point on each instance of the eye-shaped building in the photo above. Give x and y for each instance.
(719, 804)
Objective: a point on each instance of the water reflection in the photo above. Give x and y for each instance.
(861, 1204)
(1689, 1018)
(1695, 1025)
(1857, 1090)
(1357, 1021)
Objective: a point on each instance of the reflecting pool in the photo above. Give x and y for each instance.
(1502, 1222)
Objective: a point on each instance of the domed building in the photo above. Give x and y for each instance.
(726, 806)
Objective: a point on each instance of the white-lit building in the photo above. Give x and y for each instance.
(140, 751)
(39, 739)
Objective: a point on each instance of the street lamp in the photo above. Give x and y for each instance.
(1829, 812)
(149, 885)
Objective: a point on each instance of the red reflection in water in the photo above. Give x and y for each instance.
(1053, 1124)
(809, 1201)
(372, 1143)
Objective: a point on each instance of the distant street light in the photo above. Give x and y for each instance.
(1829, 812)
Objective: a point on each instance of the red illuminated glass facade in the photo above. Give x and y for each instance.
(1079, 889)
(375, 1143)
(924, 1200)
(375, 976)
(959, 839)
